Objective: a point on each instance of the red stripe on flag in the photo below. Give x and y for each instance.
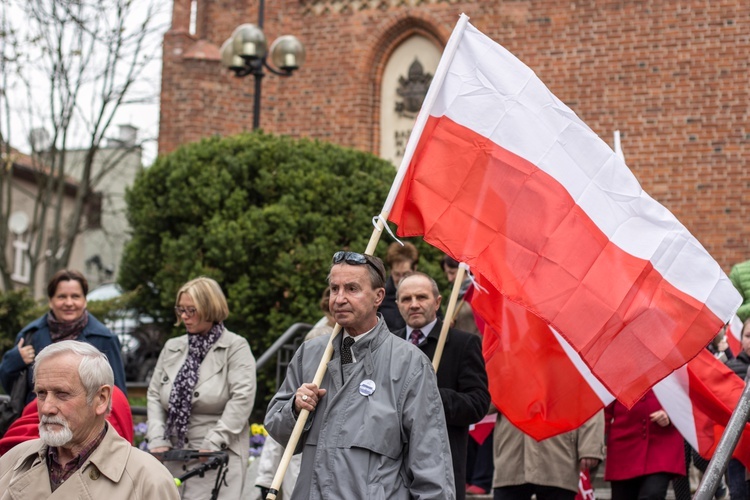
(531, 379)
(518, 227)
(714, 393)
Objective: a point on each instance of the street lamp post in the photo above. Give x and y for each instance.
(246, 53)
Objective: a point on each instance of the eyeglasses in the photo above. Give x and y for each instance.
(187, 311)
(356, 259)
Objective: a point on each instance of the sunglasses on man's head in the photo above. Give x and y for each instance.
(354, 259)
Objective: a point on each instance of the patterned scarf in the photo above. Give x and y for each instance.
(180, 399)
(64, 330)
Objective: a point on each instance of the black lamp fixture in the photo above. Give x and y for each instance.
(246, 53)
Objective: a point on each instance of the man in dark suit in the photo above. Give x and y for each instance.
(461, 377)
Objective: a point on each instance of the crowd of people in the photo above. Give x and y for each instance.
(383, 423)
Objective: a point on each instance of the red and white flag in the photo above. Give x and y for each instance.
(699, 399)
(500, 174)
(555, 392)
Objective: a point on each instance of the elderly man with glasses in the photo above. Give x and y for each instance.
(377, 429)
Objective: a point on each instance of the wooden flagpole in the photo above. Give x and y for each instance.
(317, 380)
(448, 317)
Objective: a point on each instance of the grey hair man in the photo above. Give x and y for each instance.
(378, 428)
(79, 455)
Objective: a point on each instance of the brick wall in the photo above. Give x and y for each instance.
(672, 76)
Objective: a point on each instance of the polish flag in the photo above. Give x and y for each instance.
(734, 335)
(553, 391)
(500, 174)
(699, 399)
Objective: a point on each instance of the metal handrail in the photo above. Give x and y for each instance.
(287, 337)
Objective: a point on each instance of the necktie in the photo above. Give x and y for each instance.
(346, 351)
(415, 337)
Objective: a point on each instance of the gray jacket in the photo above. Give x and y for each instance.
(392, 444)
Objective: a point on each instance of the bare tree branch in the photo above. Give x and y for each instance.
(88, 59)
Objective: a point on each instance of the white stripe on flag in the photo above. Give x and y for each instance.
(673, 394)
(530, 121)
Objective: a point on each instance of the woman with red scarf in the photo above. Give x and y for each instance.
(203, 389)
(67, 319)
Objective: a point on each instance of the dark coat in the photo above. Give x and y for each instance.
(389, 309)
(462, 382)
(95, 333)
(739, 364)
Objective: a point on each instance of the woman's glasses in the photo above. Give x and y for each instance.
(188, 312)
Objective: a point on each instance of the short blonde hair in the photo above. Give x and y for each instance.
(210, 302)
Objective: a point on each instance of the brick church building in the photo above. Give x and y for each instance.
(671, 76)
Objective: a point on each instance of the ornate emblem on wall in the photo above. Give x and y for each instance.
(412, 90)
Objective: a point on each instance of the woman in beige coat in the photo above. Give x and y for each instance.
(203, 389)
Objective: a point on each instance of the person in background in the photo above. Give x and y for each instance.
(270, 457)
(645, 451)
(740, 278)
(203, 390)
(67, 319)
(549, 468)
(400, 260)
(79, 455)
(377, 428)
(461, 377)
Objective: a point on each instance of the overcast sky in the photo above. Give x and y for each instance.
(143, 116)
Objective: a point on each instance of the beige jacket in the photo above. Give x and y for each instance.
(115, 470)
(222, 399)
(520, 459)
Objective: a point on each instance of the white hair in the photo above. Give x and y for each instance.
(94, 368)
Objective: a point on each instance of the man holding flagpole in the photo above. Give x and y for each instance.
(377, 427)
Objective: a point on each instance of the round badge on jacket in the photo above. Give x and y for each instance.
(367, 387)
